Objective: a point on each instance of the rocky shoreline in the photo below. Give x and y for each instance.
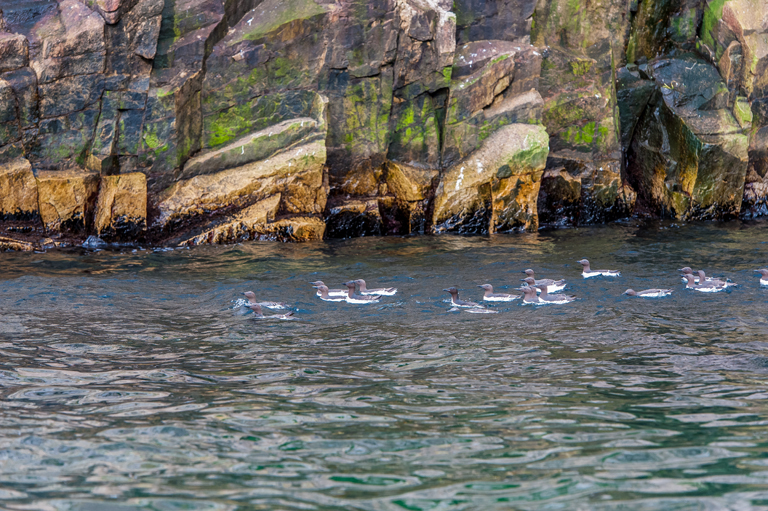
(191, 122)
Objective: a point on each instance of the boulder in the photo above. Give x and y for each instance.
(272, 123)
(295, 173)
(409, 184)
(496, 188)
(67, 199)
(18, 191)
(688, 157)
(121, 209)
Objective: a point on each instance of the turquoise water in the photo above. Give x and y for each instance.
(132, 380)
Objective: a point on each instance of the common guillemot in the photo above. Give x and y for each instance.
(259, 314)
(383, 291)
(552, 285)
(706, 287)
(703, 278)
(688, 271)
(322, 292)
(460, 303)
(550, 288)
(587, 272)
(271, 305)
(546, 297)
(763, 277)
(529, 295)
(331, 292)
(649, 293)
(490, 296)
(353, 297)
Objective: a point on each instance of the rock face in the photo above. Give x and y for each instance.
(18, 199)
(213, 121)
(67, 199)
(121, 210)
(495, 189)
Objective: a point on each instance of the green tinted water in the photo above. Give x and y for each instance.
(131, 380)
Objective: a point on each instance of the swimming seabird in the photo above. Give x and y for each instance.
(460, 303)
(353, 297)
(552, 285)
(546, 297)
(763, 277)
(322, 292)
(587, 272)
(649, 293)
(490, 296)
(271, 305)
(259, 314)
(382, 291)
(331, 292)
(529, 295)
(706, 287)
(703, 278)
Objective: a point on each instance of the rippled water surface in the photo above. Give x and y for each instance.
(131, 380)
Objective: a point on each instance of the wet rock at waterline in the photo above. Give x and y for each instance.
(358, 114)
(67, 199)
(688, 157)
(495, 189)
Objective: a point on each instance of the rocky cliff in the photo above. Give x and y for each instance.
(212, 121)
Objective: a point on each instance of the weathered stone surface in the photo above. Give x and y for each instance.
(83, 32)
(197, 94)
(353, 218)
(23, 83)
(735, 35)
(497, 187)
(14, 51)
(688, 158)
(67, 199)
(121, 209)
(297, 174)
(273, 123)
(407, 183)
(239, 227)
(486, 95)
(298, 229)
(10, 134)
(559, 198)
(584, 45)
(18, 190)
(173, 120)
(482, 20)
(15, 245)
